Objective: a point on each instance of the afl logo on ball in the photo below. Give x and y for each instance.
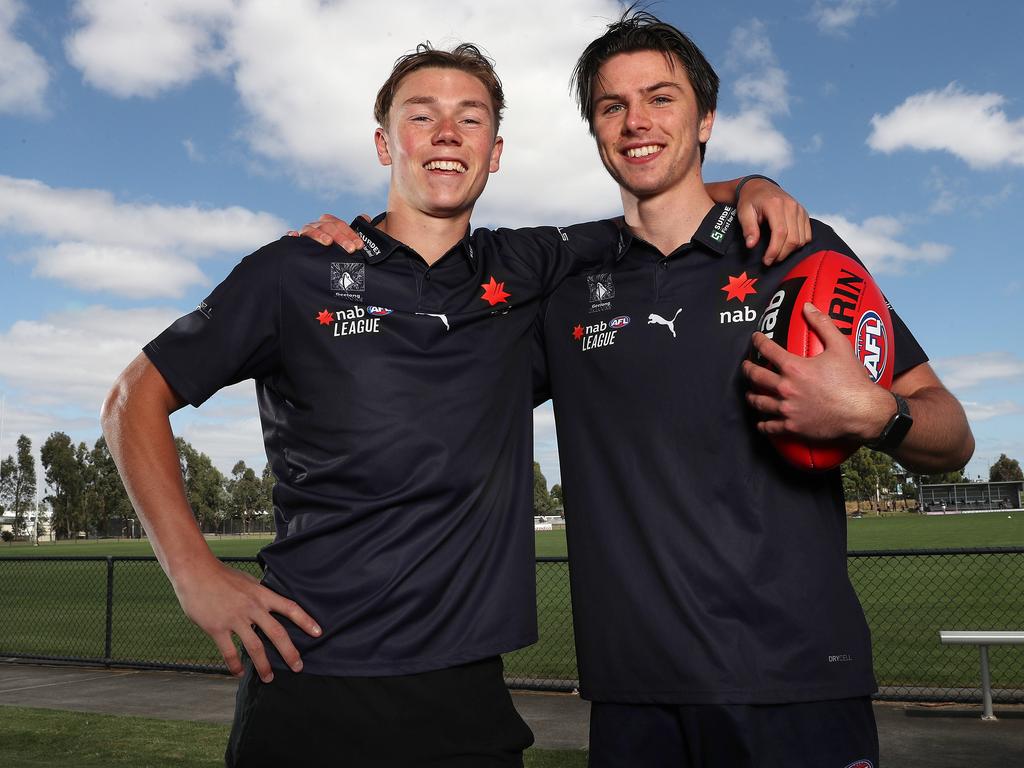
(619, 322)
(872, 344)
(379, 311)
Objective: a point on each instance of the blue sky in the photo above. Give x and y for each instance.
(148, 146)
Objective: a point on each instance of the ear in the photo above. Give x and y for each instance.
(704, 129)
(499, 144)
(380, 138)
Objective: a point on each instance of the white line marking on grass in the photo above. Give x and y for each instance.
(64, 682)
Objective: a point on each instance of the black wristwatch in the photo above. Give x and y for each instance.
(896, 429)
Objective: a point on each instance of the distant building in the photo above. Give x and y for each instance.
(961, 498)
(7, 524)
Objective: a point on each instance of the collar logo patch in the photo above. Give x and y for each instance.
(601, 287)
(494, 292)
(348, 277)
(599, 334)
(725, 219)
(369, 246)
(739, 287)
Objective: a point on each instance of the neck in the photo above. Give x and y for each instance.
(430, 236)
(668, 219)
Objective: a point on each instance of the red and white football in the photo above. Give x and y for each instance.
(840, 287)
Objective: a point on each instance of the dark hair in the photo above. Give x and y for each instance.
(464, 57)
(642, 31)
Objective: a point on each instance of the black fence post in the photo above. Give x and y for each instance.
(107, 640)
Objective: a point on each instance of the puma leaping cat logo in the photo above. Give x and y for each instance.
(659, 320)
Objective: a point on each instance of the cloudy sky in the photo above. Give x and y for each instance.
(145, 147)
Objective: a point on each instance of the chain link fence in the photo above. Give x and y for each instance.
(122, 611)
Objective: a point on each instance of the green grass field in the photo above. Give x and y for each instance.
(44, 738)
(59, 609)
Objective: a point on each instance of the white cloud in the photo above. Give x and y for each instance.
(68, 360)
(876, 241)
(762, 90)
(968, 371)
(100, 244)
(24, 75)
(307, 73)
(141, 49)
(839, 15)
(952, 195)
(971, 126)
(226, 441)
(314, 113)
(749, 138)
(58, 369)
(978, 412)
(193, 152)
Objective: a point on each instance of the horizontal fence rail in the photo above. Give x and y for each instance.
(121, 611)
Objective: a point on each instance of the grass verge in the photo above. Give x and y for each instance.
(46, 738)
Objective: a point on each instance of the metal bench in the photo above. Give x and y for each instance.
(983, 640)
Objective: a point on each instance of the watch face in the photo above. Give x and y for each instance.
(897, 428)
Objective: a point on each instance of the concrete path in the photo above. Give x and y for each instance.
(912, 736)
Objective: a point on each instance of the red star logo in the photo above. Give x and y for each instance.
(325, 317)
(494, 292)
(577, 332)
(740, 287)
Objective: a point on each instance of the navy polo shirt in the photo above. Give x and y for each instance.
(703, 568)
(395, 400)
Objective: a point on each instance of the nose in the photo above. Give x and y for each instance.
(638, 118)
(447, 132)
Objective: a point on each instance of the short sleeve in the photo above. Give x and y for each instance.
(908, 351)
(231, 336)
(554, 253)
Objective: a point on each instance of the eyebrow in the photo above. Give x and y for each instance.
(645, 89)
(470, 103)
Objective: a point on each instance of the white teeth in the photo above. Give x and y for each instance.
(445, 165)
(650, 149)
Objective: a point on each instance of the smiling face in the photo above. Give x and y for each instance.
(439, 141)
(647, 123)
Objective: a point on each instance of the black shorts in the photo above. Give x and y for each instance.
(818, 734)
(456, 717)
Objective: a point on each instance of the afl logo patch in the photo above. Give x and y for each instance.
(861, 764)
(871, 344)
(619, 322)
(379, 311)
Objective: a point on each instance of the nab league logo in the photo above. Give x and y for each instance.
(872, 345)
(600, 334)
(348, 277)
(353, 322)
(601, 290)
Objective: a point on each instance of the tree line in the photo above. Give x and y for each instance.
(85, 493)
(875, 479)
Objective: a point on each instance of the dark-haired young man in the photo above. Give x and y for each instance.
(715, 622)
(394, 387)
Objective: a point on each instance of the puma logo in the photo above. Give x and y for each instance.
(656, 319)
